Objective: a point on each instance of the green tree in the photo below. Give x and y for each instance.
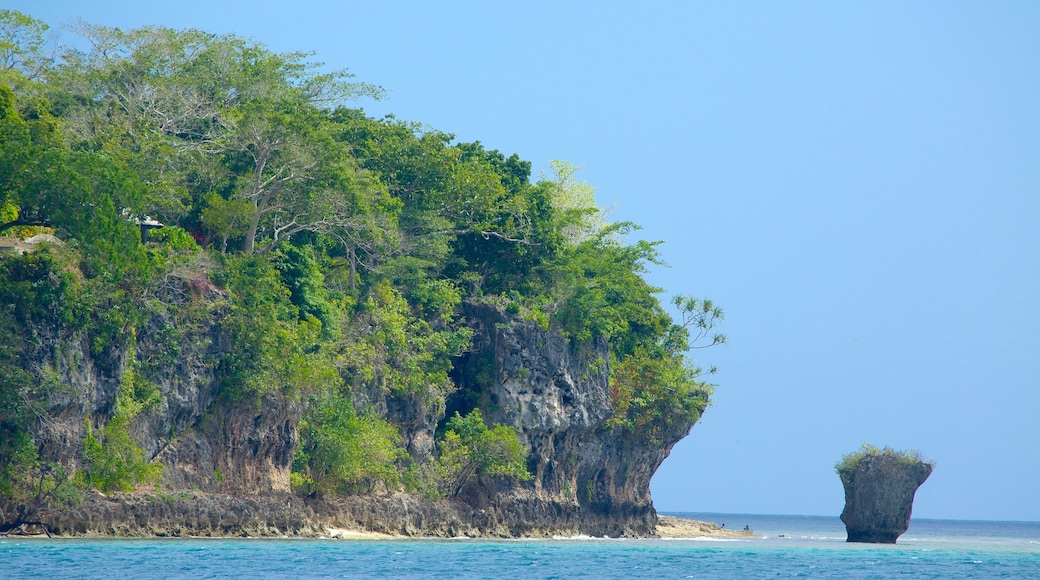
(273, 349)
(227, 218)
(600, 292)
(342, 451)
(657, 389)
(575, 202)
(193, 113)
(468, 447)
(398, 349)
(22, 44)
(78, 193)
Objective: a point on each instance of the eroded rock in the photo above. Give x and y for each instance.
(879, 492)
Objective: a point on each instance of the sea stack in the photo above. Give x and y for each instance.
(879, 492)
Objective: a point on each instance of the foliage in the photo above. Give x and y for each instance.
(849, 462)
(468, 447)
(113, 460)
(575, 201)
(17, 451)
(653, 393)
(601, 292)
(34, 289)
(342, 451)
(302, 276)
(43, 287)
(396, 349)
(175, 239)
(656, 388)
(273, 350)
(197, 115)
(227, 218)
(22, 44)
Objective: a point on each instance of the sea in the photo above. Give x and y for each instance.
(783, 547)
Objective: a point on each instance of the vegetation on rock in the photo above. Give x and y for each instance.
(318, 255)
(879, 491)
(849, 462)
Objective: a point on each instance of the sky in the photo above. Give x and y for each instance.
(856, 184)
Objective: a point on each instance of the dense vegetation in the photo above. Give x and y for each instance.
(342, 247)
(849, 462)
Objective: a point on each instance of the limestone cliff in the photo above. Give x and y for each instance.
(204, 443)
(879, 494)
(556, 394)
(227, 463)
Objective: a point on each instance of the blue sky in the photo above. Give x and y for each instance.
(857, 184)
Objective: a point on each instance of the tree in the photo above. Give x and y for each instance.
(470, 448)
(79, 193)
(195, 113)
(575, 201)
(298, 179)
(227, 218)
(342, 451)
(22, 44)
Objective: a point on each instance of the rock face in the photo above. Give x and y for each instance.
(226, 465)
(556, 394)
(203, 443)
(879, 495)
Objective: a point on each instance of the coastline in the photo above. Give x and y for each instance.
(669, 527)
(202, 515)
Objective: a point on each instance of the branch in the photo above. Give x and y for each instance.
(486, 235)
(26, 222)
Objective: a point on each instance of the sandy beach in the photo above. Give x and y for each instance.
(347, 534)
(673, 527)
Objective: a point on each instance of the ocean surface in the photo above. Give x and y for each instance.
(788, 547)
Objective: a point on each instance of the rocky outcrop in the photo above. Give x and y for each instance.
(226, 464)
(193, 513)
(555, 392)
(203, 443)
(879, 494)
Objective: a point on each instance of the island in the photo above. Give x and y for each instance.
(345, 325)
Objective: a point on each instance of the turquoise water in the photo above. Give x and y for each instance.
(811, 547)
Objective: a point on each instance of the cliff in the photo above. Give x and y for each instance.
(557, 395)
(226, 464)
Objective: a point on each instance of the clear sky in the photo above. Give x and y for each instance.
(857, 184)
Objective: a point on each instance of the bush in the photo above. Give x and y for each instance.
(176, 239)
(114, 461)
(273, 350)
(341, 451)
(850, 461)
(468, 447)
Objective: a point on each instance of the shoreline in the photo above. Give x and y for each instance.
(207, 515)
(669, 527)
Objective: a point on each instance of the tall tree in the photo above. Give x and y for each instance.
(194, 113)
(22, 48)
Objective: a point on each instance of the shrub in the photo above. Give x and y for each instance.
(114, 461)
(468, 447)
(342, 451)
(176, 239)
(850, 461)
